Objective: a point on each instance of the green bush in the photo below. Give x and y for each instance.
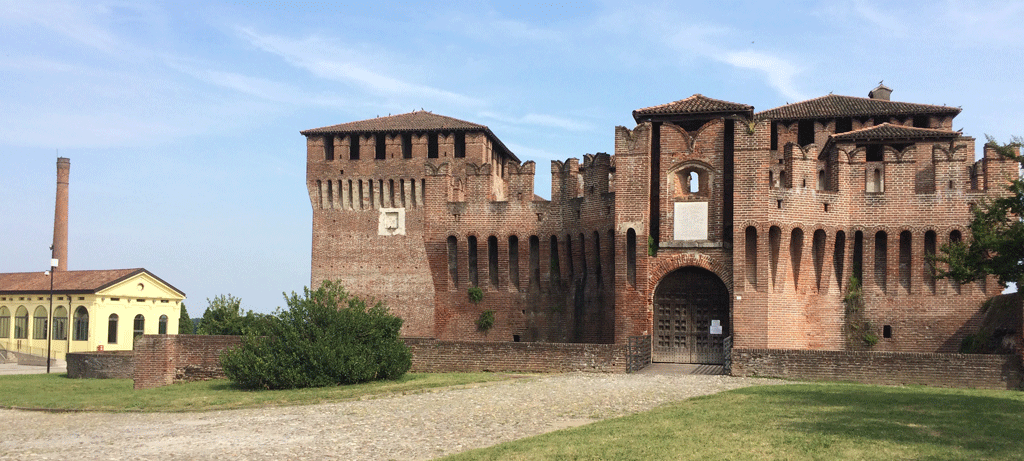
(326, 337)
(475, 295)
(486, 320)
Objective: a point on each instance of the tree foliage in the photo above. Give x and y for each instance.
(185, 326)
(996, 243)
(224, 316)
(326, 337)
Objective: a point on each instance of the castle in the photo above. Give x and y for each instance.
(710, 221)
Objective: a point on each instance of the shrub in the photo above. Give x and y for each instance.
(325, 338)
(475, 295)
(486, 320)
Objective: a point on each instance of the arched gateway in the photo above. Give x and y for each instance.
(690, 304)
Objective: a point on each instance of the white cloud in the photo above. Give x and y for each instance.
(327, 60)
(80, 22)
(781, 74)
(544, 120)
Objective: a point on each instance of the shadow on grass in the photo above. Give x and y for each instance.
(943, 418)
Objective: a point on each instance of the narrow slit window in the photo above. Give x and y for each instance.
(631, 257)
(534, 262)
(472, 256)
(513, 260)
(380, 146)
(453, 260)
(353, 147)
(555, 265)
(881, 263)
(492, 260)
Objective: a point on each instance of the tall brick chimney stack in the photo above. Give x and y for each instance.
(60, 215)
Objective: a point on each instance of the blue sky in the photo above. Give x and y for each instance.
(181, 120)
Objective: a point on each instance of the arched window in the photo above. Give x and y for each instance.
(112, 329)
(5, 322)
(163, 325)
(692, 180)
(39, 323)
(21, 323)
(821, 180)
(60, 324)
(81, 332)
(139, 327)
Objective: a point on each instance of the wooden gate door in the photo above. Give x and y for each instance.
(687, 303)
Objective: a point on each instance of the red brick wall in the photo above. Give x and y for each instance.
(166, 359)
(435, 356)
(890, 368)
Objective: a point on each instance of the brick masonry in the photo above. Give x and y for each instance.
(433, 356)
(166, 359)
(796, 205)
(101, 365)
(890, 368)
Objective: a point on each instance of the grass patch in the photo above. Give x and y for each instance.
(115, 395)
(796, 422)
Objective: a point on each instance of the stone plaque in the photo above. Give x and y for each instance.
(691, 221)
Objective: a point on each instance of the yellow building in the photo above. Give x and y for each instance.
(92, 310)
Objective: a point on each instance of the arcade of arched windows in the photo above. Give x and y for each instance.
(817, 259)
(552, 263)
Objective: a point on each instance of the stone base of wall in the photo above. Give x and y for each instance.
(431, 355)
(891, 368)
(101, 365)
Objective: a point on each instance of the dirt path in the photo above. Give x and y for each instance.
(406, 427)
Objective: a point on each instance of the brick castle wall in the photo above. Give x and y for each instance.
(888, 368)
(166, 359)
(433, 356)
(101, 365)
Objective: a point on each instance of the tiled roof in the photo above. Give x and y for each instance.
(416, 121)
(68, 281)
(890, 131)
(848, 106)
(413, 121)
(696, 104)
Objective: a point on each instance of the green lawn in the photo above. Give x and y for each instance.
(797, 422)
(60, 392)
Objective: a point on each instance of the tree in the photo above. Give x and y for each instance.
(326, 337)
(185, 326)
(224, 316)
(996, 243)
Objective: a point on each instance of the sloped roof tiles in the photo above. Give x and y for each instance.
(412, 122)
(830, 106)
(696, 104)
(89, 281)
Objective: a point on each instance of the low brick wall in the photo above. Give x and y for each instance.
(892, 368)
(100, 365)
(165, 359)
(431, 355)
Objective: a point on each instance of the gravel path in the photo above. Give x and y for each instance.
(402, 427)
